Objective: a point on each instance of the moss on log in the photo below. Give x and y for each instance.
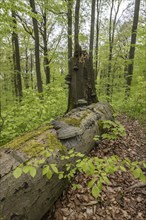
(28, 198)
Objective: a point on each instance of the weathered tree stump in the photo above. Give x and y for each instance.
(28, 198)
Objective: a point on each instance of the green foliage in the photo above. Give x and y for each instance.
(97, 169)
(111, 130)
(33, 111)
(135, 105)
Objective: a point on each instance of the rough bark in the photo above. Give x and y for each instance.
(91, 77)
(76, 30)
(132, 46)
(28, 198)
(112, 27)
(81, 78)
(46, 60)
(37, 53)
(16, 60)
(68, 77)
(26, 77)
(97, 37)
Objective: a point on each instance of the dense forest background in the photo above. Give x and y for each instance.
(35, 53)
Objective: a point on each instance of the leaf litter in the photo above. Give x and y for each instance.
(123, 199)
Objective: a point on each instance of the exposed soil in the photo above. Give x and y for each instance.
(124, 198)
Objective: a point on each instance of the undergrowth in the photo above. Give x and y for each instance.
(34, 110)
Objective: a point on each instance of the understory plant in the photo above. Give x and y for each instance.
(34, 110)
(97, 169)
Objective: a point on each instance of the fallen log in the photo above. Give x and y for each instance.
(28, 198)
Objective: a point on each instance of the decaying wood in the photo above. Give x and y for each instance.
(28, 198)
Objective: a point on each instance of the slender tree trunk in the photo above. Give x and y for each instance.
(91, 76)
(68, 77)
(26, 80)
(112, 27)
(110, 50)
(16, 60)
(97, 38)
(76, 36)
(132, 47)
(37, 53)
(46, 60)
(31, 69)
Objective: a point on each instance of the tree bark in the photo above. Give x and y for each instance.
(97, 37)
(16, 60)
(37, 53)
(132, 47)
(31, 69)
(68, 77)
(33, 197)
(76, 29)
(92, 98)
(112, 27)
(46, 60)
(26, 77)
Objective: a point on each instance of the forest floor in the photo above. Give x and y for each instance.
(124, 198)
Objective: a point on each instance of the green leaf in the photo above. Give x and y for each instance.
(142, 178)
(54, 168)
(99, 184)
(49, 174)
(26, 169)
(91, 183)
(60, 176)
(41, 161)
(45, 170)
(17, 172)
(32, 171)
(95, 191)
(105, 179)
(123, 168)
(137, 172)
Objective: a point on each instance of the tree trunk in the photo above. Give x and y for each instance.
(110, 50)
(46, 60)
(16, 60)
(76, 35)
(112, 27)
(82, 82)
(68, 77)
(31, 69)
(73, 76)
(97, 38)
(91, 77)
(26, 77)
(37, 53)
(132, 47)
(31, 198)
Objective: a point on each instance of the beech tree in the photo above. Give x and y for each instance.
(37, 49)
(132, 47)
(112, 27)
(16, 59)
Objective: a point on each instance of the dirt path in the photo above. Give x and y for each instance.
(124, 199)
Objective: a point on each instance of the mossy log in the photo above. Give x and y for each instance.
(28, 198)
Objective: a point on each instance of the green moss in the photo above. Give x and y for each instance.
(54, 144)
(74, 121)
(17, 142)
(51, 146)
(33, 148)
